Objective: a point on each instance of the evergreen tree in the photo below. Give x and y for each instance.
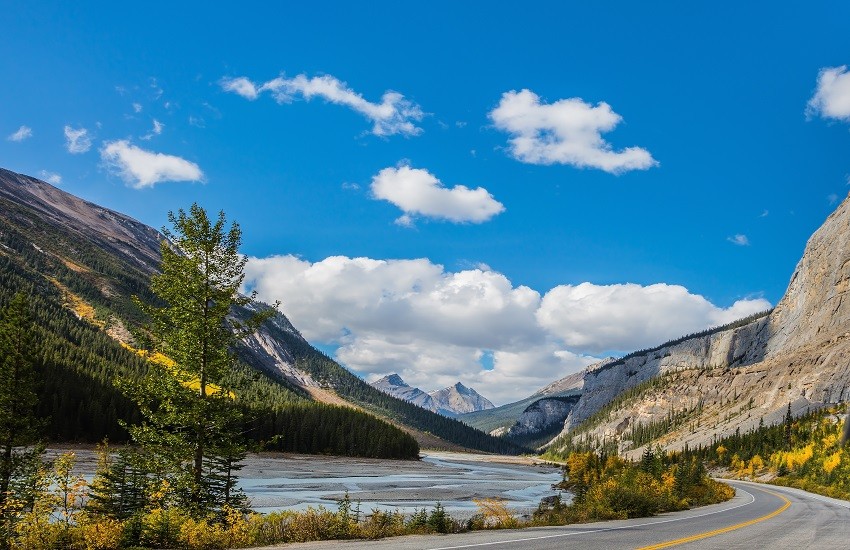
(189, 410)
(18, 423)
(786, 432)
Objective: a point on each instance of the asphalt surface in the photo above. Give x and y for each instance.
(759, 516)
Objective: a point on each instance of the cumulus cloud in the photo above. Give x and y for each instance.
(22, 133)
(393, 115)
(137, 108)
(832, 95)
(77, 140)
(739, 239)
(568, 131)
(434, 326)
(624, 317)
(140, 168)
(50, 177)
(419, 193)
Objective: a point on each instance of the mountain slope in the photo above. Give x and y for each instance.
(709, 385)
(459, 399)
(82, 263)
(500, 420)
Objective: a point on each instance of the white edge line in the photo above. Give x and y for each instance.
(559, 535)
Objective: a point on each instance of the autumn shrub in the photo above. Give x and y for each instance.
(380, 524)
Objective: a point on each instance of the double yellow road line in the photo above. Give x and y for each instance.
(707, 534)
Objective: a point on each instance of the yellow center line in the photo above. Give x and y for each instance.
(707, 534)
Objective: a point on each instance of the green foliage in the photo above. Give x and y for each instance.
(806, 452)
(18, 423)
(613, 488)
(188, 408)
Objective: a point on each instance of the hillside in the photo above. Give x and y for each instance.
(710, 385)
(500, 420)
(81, 264)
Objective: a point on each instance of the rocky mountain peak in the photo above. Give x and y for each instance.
(394, 380)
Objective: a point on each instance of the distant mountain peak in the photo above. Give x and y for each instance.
(459, 399)
(393, 379)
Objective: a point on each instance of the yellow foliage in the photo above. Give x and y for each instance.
(170, 364)
(100, 533)
(82, 309)
(495, 513)
(831, 462)
(830, 440)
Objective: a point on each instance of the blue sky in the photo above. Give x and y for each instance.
(704, 176)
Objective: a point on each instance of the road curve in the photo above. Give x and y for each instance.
(759, 516)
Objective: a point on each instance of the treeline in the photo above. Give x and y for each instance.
(808, 452)
(327, 429)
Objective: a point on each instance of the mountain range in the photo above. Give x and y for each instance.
(81, 264)
(452, 401)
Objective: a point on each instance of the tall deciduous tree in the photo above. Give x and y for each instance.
(18, 423)
(190, 414)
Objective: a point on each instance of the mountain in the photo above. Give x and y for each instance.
(538, 417)
(451, 401)
(81, 264)
(459, 399)
(708, 385)
(395, 386)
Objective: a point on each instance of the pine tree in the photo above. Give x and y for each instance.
(19, 425)
(189, 409)
(786, 432)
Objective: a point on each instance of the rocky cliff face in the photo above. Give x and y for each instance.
(736, 377)
(542, 416)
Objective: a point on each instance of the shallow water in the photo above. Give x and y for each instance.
(294, 483)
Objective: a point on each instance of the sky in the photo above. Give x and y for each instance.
(456, 190)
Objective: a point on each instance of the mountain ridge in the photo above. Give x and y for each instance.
(452, 401)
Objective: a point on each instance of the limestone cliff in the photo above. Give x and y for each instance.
(737, 376)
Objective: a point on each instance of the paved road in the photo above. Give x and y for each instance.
(758, 517)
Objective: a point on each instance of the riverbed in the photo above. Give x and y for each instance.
(278, 481)
(453, 479)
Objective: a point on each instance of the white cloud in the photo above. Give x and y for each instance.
(155, 131)
(137, 107)
(22, 133)
(418, 193)
(568, 131)
(77, 141)
(832, 96)
(241, 86)
(50, 177)
(433, 326)
(625, 317)
(140, 168)
(739, 239)
(393, 115)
